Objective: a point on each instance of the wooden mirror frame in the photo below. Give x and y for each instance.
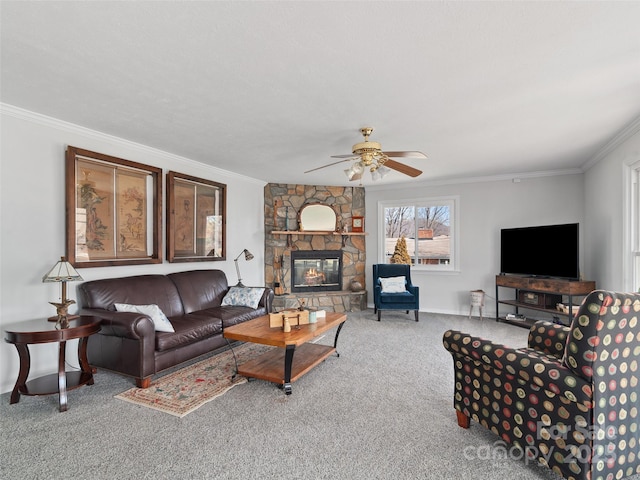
(317, 217)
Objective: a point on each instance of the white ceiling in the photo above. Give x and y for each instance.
(271, 89)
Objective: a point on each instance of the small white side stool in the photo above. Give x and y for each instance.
(477, 300)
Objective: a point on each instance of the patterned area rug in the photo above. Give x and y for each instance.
(187, 389)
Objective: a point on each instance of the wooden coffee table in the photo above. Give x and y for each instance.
(278, 365)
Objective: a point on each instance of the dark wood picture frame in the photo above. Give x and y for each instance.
(113, 210)
(196, 219)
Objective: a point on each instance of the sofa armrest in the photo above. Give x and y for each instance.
(267, 300)
(377, 290)
(548, 337)
(532, 366)
(123, 324)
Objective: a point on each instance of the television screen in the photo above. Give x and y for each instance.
(544, 251)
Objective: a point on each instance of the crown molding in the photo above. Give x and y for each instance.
(627, 132)
(622, 136)
(512, 177)
(40, 119)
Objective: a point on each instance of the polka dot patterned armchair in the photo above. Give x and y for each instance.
(570, 400)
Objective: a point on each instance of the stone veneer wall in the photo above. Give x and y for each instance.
(346, 201)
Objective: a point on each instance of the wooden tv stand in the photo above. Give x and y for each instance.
(539, 286)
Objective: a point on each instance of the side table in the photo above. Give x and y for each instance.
(40, 331)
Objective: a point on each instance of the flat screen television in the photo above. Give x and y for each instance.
(543, 251)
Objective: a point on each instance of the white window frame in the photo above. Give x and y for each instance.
(631, 262)
(453, 202)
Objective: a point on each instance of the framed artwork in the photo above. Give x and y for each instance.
(357, 224)
(113, 212)
(196, 219)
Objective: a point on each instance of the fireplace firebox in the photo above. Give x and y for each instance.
(316, 270)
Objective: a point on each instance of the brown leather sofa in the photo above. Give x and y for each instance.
(128, 343)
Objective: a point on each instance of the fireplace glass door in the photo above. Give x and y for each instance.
(316, 271)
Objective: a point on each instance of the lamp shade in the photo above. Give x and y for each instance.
(247, 256)
(62, 271)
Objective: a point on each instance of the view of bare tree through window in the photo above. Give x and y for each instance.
(426, 230)
(399, 221)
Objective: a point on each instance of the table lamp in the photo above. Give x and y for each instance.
(62, 272)
(247, 256)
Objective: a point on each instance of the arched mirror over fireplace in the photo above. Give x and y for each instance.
(317, 217)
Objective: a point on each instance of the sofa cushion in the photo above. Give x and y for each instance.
(243, 297)
(136, 290)
(200, 289)
(234, 315)
(404, 297)
(393, 284)
(160, 321)
(189, 328)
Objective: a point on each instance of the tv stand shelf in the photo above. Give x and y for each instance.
(537, 285)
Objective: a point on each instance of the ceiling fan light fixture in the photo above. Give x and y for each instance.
(354, 172)
(352, 176)
(378, 172)
(369, 155)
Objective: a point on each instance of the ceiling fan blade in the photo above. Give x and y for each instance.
(351, 155)
(405, 154)
(330, 164)
(402, 168)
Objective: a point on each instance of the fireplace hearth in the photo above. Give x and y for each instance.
(316, 270)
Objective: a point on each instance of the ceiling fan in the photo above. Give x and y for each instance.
(370, 155)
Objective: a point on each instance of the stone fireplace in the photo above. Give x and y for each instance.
(284, 241)
(316, 271)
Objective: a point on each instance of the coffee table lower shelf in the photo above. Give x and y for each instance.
(270, 366)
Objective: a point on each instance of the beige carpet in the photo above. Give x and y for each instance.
(187, 389)
(382, 410)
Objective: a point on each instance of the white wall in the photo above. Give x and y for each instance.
(32, 236)
(485, 207)
(606, 191)
(32, 212)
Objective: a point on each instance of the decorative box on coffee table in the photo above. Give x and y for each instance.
(295, 317)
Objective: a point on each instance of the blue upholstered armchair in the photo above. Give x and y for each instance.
(570, 398)
(393, 290)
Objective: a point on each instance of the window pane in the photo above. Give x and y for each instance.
(399, 221)
(433, 227)
(430, 225)
(636, 212)
(635, 228)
